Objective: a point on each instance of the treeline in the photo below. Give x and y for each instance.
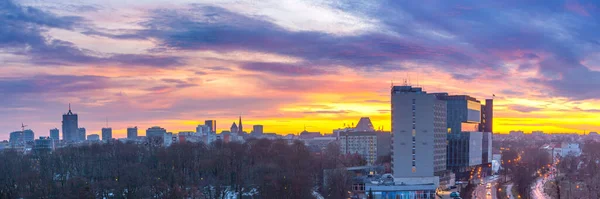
(255, 169)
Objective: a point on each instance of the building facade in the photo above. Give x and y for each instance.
(258, 130)
(132, 133)
(70, 126)
(212, 124)
(28, 136)
(418, 134)
(203, 130)
(361, 143)
(81, 134)
(93, 137)
(44, 144)
(155, 131)
(106, 134)
(55, 134)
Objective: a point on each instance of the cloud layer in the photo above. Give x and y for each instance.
(152, 63)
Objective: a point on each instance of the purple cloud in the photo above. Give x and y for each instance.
(284, 69)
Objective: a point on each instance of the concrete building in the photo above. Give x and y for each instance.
(106, 134)
(16, 139)
(418, 137)
(28, 136)
(212, 124)
(132, 133)
(155, 131)
(55, 134)
(81, 134)
(169, 138)
(44, 144)
(361, 143)
(203, 130)
(93, 137)
(257, 130)
(70, 126)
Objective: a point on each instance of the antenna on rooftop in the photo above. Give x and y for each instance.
(23, 127)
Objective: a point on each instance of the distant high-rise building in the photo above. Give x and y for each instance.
(258, 130)
(234, 128)
(70, 126)
(132, 133)
(55, 134)
(81, 133)
(418, 133)
(93, 137)
(212, 124)
(106, 134)
(361, 143)
(28, 136)
(155, 131)
(16, 139)
(203, 130)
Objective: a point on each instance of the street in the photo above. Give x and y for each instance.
(537, 190)
(481, 191)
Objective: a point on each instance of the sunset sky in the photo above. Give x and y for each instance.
(291, 64)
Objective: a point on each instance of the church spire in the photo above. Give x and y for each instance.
(241, 129)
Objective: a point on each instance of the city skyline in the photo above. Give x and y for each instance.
(291, 65)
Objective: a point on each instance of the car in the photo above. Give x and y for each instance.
(454, 194)
(489, 193)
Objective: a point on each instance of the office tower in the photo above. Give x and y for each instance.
(241, 128)
(132, 133)
(418, 133)
(70, 126)
(361, 143)
(54, 134)
(155, 131)
(212, 124)
(28, 136)
(93, 137)
(465, 140)
(487, 116)
(487, 123)
(16, 139)
(258, 130)
(106, 134)
(81, 133)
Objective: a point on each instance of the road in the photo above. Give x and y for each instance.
(537, 190)
(481, 191)
(509, 191)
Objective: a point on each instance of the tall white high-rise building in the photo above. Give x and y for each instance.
(418, 135)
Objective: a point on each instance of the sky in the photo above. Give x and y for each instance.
(293, 65)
